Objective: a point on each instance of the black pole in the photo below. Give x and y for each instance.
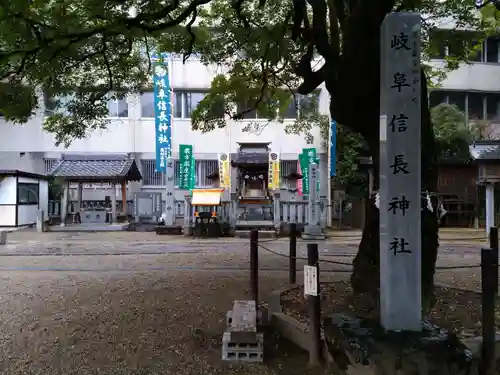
(292, 261)
(314, 307)
(254, 265)
(494, 248)
(489, 283)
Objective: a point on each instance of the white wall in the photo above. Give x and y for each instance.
(26, 214)
(136, 134)
(8, 190)
(8, 216)
(472, 77)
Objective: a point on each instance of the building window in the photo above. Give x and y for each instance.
(148, 104)
(49, 164)
(203, 168)
(493, 107)
(478, 104)
(287, 167)
(118, 107)
(27, 193)
(475, 106)
(457, 99)
(445, 43)
(436, 98)
(57, 104)
(150, 177)
(302, 104)
(492, 49)
(177, 102)
(191, 101)
(247, 112)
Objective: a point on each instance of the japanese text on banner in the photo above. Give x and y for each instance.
(274, 180)
(224, 171)
(163, 111)
(307, 157)
(186, 160)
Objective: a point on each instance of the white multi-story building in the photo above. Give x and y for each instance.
(474, 88)
(131, 131)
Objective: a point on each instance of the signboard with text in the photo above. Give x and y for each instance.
(224, 171)
(274, 171)
(400, 173)
(310, 281)
(186, 162)
(307, 157)
(163, 110)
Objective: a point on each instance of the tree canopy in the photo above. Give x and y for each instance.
(270, 49)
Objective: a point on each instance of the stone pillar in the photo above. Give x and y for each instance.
(113, 203)
(277, 211)
(400, 173)
(64, 204)
(40, 221)
(490, 207)
(79, 197)
(188, 215)
(124, 199)
(170, 198)
(233, 212)
(312, 230)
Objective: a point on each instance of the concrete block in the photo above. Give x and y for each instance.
(244, 316)
(242, 356)
(233, 340)
(229, 318)
(251, 351)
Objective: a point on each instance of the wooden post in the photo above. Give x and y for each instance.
(314, 307)
(292, 261)
(254, 265)
(113, 203)
(124, 199)
(494, 248)
(489, 284)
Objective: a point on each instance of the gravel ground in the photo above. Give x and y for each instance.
(161, 313)
(141, 323)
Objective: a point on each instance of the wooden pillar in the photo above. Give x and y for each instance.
(64, 204)
(124, 198)
(79, 197)
(113, 202)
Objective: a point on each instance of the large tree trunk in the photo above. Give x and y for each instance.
(365, 277)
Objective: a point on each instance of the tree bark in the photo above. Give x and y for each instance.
(366, 273)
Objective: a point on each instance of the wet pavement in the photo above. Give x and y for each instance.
(122, 251)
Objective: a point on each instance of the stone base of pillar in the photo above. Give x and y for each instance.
(313, 232)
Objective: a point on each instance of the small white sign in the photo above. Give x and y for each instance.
(310, 281)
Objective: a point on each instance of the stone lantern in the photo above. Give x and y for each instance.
(486, 155)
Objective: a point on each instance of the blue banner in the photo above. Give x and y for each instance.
(163, 110)
(333, 148)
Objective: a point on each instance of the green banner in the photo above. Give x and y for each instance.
(192, 184)
(307, 157)
(186, 161)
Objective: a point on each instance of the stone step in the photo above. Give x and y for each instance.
(243, 233)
